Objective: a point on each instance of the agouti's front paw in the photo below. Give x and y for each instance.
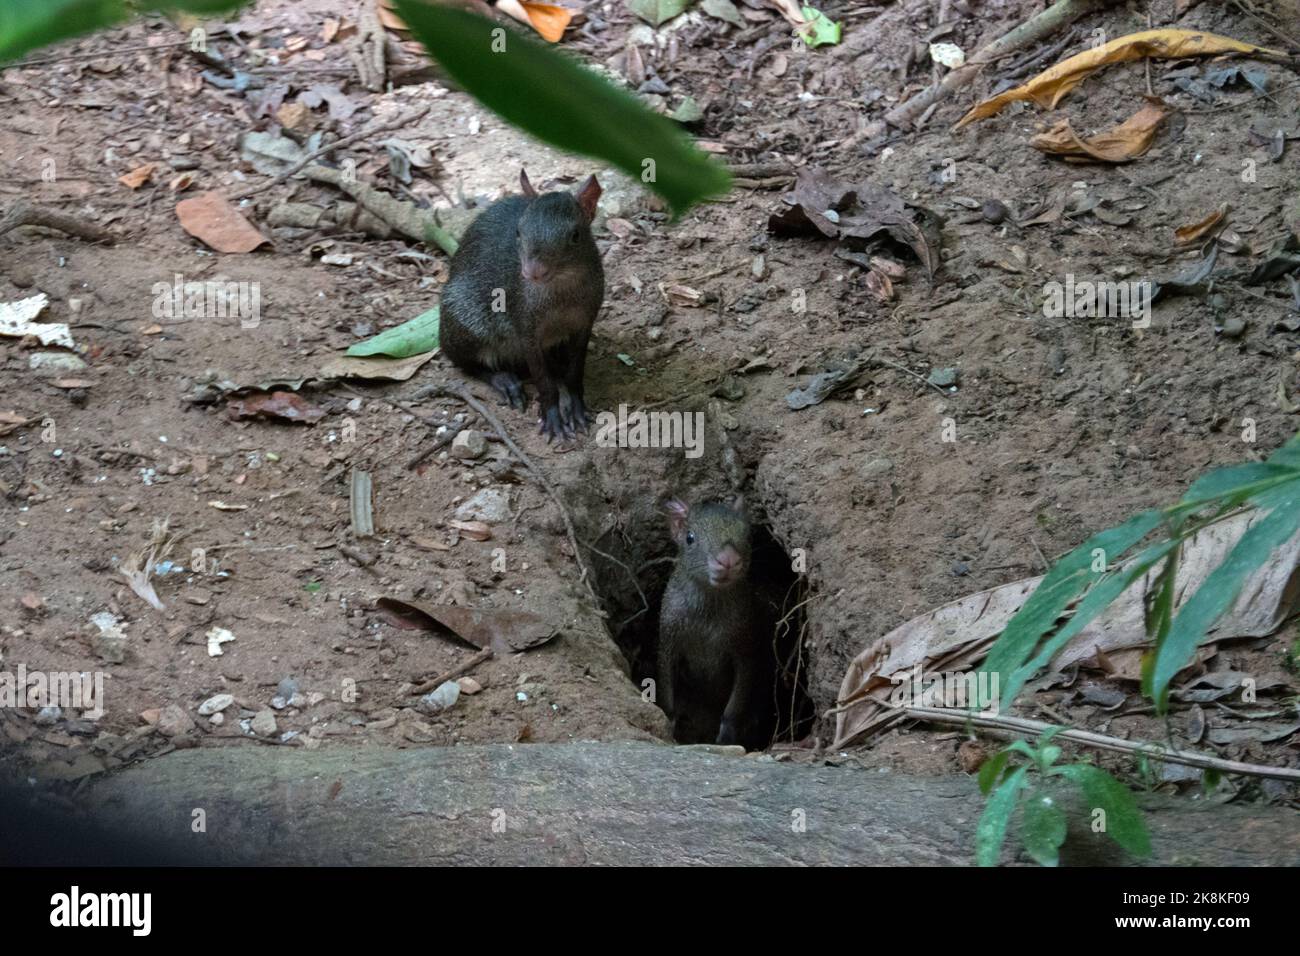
(553, 426)
(573, 412)
(511, 390)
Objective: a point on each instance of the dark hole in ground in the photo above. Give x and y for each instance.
(780, 622)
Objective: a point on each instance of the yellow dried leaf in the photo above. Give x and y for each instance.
(1048, 87)
(1185, 235)
(1129, 140)
(138, 176)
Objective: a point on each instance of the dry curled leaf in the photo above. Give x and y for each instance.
(503, 630)
(1186, 235)
(212, 219)
(474, 530)
(1127, 141)
(285, 406)
(138, 176)
(1049, 87)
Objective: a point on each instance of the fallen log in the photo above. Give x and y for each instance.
(587, 803)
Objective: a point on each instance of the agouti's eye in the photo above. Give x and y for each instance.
(576, 237)
(690, 537)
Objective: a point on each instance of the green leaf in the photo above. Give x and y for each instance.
(1217, 593)
(553, 97)
(1048, 755)
(413, 337)
(655, 12)
(991, 831)
(1124, 822)
(723, 10)
(1067, 579)
(991, 768)
(26, 25)
(688, 111)
(1210, 779)
(1043, 828)
(1096, 601)
(1228, 487)
(1046, 736)
(820, 30)
(1022, 747)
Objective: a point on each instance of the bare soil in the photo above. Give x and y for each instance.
(1064, 425)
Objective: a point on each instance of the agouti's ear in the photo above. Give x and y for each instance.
(525, 185)
(677, 512)
(587, 195)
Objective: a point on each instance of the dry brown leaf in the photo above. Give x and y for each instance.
(285, 406)
(138, 176)
(956, 636)
(502, 629)
(878, 285)
(375, 367)
(1186, 235)
(1127, 141)
(213, 220)
(1048, 87)
(474, 530)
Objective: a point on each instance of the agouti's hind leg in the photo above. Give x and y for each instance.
(511, 390)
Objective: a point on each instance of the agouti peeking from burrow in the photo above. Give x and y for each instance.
(714, 673)
(525, 286)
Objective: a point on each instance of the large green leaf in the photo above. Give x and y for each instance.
(991, 769)
(1060, 586)
(1124, 822)
(1096, 601)
(413, 337)
(991, 831)
(1218, 591)
(1042, 829)
(26, 25)
(553, 97)
(1229, 487)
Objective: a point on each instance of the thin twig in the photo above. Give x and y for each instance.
(1022, 725)
(462, 394)
(908, 371)
(338, 144)
(645, 605)
(433, 683)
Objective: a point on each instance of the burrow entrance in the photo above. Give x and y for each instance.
(632, 572)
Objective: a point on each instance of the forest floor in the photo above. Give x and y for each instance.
(1064, 425)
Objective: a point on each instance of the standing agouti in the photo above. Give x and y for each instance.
(525, 287)
(714, 675)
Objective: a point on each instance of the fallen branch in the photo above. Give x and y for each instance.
(326, 150)
(1022, 725)
(1058, 15)
(24, 213)
(433, 683)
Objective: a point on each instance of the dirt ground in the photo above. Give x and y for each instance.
(1064, 425)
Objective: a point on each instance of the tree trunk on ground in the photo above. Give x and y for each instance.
(594, 803)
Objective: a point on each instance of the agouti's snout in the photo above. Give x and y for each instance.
(726, 567)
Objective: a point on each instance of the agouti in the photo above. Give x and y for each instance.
(525, 287)
(714, 674)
